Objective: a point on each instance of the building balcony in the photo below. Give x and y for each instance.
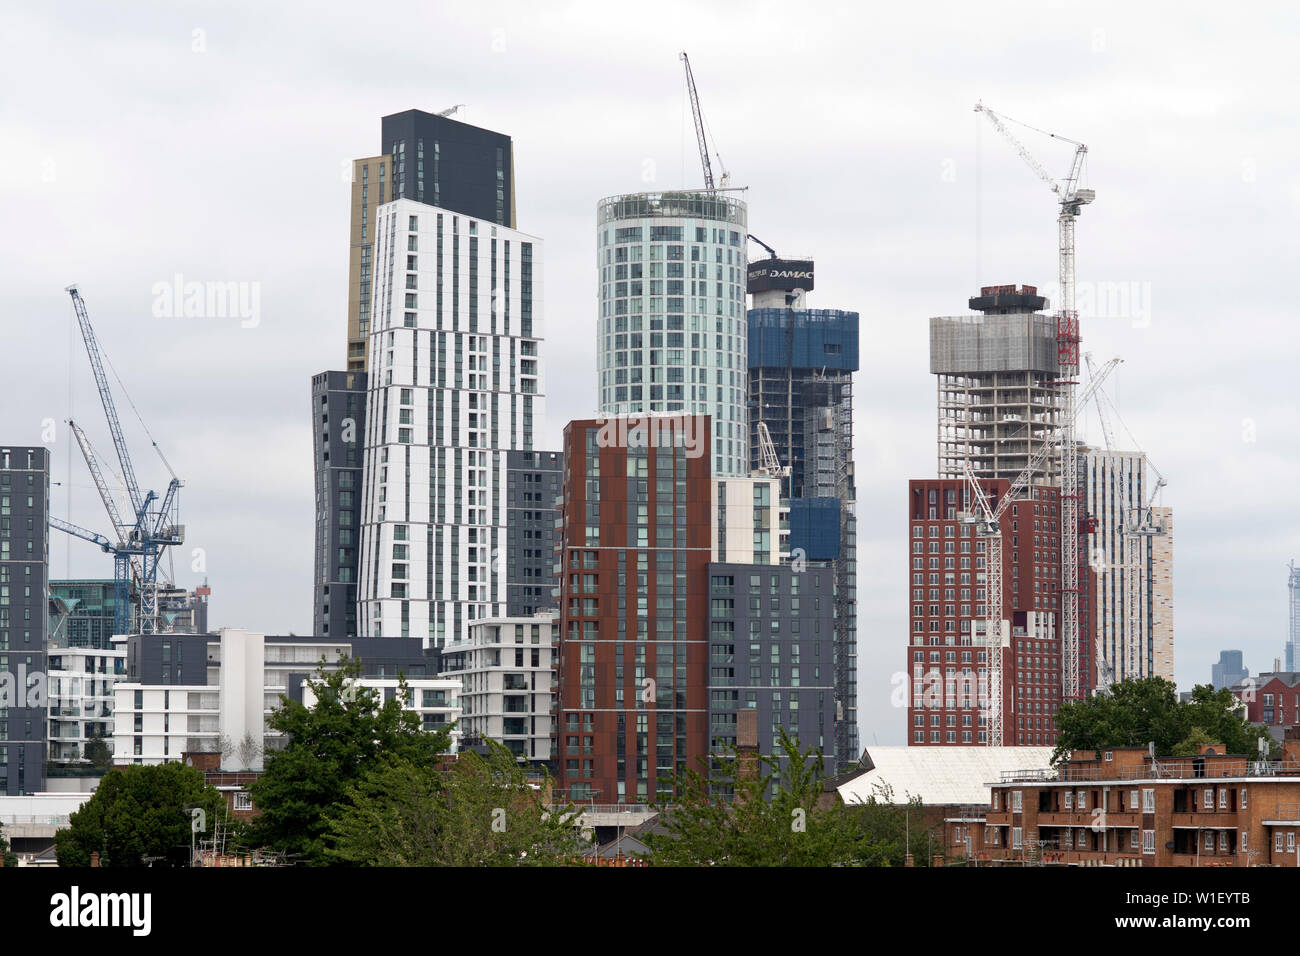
(1207, 820)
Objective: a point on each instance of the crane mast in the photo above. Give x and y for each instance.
(700, 138)
(1071, 199)
(152, 529)
(988, 519)
(771, 464)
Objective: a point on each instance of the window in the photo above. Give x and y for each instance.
(1277, 837)
(243, 801)
(1243, 804)
(1016, 801)
(1149, 802)
(1223, 798)
(1016, 838)
(1133, 839)
(1149, 836)
(1207, 799)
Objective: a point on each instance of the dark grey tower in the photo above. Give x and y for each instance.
(24, 611)
(533, 479)
(452, 165)
(338, 402)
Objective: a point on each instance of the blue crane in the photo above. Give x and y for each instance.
(142, 536)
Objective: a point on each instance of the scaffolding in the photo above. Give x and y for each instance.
(998, 402)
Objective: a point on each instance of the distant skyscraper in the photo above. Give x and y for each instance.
(1229, 670)
(453, 388)
(1293, 609)
(671, 336)
(24, 612)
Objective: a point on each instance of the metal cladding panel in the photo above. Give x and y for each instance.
(815, 527)
(993, 343)
(821, 339)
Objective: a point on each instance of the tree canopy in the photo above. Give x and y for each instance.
(1137, 712)
(332, 745)
(139, 812)
(10, 857)
(770, 811)
(478, 811)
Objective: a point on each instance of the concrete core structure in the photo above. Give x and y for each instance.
(997, 404)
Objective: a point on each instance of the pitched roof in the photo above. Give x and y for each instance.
(939, 775)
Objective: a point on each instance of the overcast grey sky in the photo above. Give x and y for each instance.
(145, 140)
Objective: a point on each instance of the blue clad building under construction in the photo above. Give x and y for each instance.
(801, 363)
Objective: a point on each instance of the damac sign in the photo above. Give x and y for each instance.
(778, 274)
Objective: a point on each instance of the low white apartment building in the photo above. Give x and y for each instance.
(215, 693)
(79, 688)
(506, 669)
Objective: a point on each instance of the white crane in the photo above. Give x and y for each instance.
(770, 463)
(1071, 199)
(996, 634)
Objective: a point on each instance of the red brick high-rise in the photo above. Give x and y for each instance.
(633, 671)
(946, 582)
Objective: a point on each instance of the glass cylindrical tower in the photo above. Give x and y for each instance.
(672, 333)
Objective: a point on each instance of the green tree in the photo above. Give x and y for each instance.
(139, 812)
(884, 830)
(99, 754)
(1191, 745)
(767, 811)
(331, 746)
(1137, 712)
(476, 811)
(10, 857)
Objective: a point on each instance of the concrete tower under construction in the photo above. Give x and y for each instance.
(998, 399)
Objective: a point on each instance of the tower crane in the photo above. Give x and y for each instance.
(151, 528)
(1107, 435)
(988, 519)
(1071, 199)
(121, 569)
(771, 464)
(699, 133)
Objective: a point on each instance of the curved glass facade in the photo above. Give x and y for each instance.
(672, 329)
